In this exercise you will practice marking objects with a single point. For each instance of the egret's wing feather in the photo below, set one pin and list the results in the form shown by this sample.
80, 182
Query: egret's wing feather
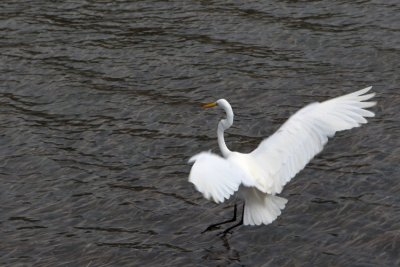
305, 133
215, 177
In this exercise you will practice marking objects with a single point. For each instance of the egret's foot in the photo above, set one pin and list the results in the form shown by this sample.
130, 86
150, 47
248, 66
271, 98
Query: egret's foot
214, 226
230, 228
210, 228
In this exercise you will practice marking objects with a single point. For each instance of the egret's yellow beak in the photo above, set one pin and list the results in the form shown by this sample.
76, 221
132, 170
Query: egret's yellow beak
210, 105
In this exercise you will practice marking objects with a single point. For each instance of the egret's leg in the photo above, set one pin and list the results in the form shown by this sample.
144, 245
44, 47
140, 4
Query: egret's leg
235, 225
224, 222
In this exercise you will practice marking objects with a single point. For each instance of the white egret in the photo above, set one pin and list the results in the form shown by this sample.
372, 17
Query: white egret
260, 175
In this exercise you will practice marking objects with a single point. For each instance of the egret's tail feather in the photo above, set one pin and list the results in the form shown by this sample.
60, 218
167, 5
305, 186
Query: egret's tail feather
261, 208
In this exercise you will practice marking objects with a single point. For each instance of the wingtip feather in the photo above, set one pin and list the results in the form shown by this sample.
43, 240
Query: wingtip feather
363, 91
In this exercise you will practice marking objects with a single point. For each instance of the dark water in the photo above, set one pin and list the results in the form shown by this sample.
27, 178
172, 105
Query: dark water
99, 113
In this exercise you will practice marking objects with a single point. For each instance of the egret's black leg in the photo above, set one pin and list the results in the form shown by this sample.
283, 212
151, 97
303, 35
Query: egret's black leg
224, 222
235, 225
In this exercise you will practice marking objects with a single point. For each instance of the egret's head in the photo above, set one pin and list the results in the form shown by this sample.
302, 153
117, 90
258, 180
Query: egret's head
222, 103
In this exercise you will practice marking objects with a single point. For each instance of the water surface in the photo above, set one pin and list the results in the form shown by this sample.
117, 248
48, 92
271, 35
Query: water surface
99, 113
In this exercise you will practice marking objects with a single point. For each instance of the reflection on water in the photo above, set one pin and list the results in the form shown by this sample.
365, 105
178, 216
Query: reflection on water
100, 112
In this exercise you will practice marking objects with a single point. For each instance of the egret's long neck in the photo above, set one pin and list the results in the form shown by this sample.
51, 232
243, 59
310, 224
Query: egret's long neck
222, 126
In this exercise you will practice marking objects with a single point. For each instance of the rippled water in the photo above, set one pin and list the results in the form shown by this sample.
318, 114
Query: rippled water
100, 112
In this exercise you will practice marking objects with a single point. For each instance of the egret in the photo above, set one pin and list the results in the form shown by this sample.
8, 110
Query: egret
260, 175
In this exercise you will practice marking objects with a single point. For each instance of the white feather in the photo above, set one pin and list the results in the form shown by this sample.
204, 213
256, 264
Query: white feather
261, 208
305, 133
217, 178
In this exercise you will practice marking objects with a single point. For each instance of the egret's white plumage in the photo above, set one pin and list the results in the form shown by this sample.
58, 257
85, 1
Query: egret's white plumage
261, 174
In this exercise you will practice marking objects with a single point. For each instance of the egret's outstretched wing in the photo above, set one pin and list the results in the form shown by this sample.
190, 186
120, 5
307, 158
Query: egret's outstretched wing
216, 177
304, 134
